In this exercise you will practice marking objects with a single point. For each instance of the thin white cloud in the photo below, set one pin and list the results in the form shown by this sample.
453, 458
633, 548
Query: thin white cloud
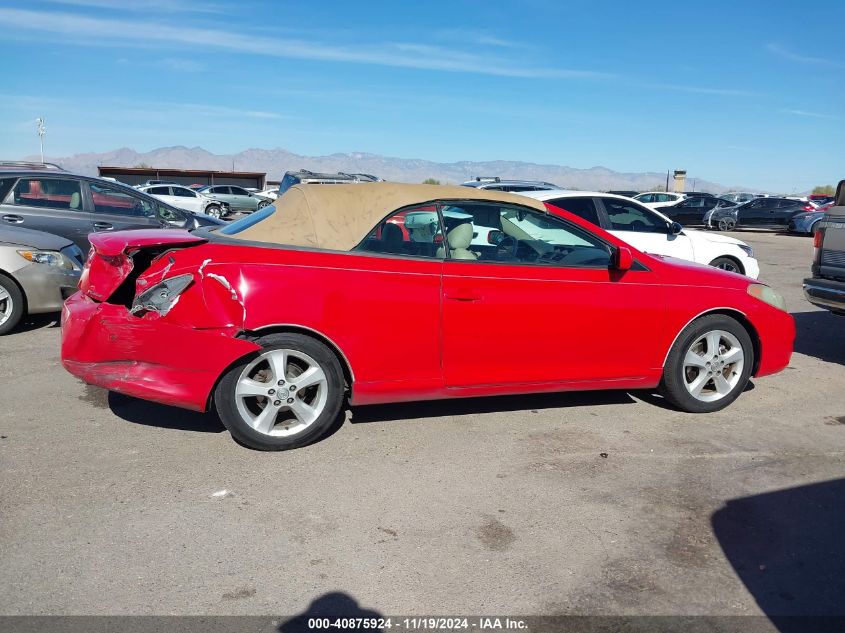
167, 6
183, 65
781, 51
79, 28
471, 36
706, 90
809, 114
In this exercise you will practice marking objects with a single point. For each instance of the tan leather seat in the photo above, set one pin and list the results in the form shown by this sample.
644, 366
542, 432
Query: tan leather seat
459, 240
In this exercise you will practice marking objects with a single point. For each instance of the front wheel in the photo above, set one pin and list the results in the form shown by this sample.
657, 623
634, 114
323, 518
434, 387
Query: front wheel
709, 365
215, 211
11, 305
262, 204
726, 224
727, 263
286, 396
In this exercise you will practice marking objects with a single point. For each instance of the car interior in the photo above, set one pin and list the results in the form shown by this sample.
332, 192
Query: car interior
486, 232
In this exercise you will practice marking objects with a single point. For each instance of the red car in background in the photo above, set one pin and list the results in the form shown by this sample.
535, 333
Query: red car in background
382, 293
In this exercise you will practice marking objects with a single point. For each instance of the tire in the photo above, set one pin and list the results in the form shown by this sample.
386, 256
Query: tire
11, 305
316, 407
681, 377
262, 204
215, 211
729, 264
726, 224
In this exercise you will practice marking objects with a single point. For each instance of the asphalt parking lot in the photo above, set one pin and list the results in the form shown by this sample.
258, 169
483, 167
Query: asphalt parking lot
592, 503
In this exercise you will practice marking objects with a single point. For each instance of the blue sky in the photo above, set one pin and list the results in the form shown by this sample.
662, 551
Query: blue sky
742, 93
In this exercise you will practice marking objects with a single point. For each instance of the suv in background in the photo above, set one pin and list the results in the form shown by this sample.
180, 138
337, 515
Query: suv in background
826, 288
73, 206
303, 176
498, 184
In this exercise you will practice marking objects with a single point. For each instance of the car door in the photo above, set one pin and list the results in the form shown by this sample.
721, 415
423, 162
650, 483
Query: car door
221, 193
112, 208
243, 199
47, 203
753, 213
785, 209
184, 198
543, 307
644, 229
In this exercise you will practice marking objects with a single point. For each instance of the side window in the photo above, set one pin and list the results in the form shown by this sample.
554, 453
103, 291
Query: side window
181, 192
646, 197
515, 235
694, 203
159, 191
6, 186
118, 202
237, 191
582, 207
624, 216
50, 193
168, 214
412, 232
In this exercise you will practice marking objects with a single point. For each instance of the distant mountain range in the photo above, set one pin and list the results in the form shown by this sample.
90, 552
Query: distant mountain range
276, 161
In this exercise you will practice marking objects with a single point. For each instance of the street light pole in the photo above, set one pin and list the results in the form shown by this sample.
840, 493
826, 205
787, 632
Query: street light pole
39, 127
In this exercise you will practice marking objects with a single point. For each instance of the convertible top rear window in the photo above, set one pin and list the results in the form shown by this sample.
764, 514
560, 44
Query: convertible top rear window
247, 221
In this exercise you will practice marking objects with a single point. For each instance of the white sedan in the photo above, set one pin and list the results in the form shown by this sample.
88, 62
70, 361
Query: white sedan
657, 199
188, 199
652, 232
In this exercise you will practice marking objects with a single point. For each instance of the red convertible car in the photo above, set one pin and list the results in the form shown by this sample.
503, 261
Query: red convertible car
383, 293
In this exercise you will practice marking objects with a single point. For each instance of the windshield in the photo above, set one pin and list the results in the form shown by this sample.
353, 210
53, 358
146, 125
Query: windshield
247, 221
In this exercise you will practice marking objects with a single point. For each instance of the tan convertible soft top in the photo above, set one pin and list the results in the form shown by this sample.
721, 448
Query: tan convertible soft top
338, 217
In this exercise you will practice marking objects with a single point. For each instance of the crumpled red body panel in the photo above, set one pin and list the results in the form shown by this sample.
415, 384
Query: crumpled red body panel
104, 345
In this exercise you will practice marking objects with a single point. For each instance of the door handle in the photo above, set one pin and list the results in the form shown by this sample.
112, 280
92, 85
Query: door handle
463, 295
102, 226
13, 219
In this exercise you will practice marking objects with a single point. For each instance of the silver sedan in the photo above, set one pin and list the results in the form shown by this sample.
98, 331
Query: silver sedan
38, 271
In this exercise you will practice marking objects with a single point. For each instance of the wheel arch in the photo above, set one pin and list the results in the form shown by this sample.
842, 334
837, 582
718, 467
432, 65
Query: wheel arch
739, 316
733, 258
345, 365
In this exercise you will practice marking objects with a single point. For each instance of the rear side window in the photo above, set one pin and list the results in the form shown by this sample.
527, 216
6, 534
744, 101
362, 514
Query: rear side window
624, 216
183, 193
582, 207
52, 193
118, 202
159, 191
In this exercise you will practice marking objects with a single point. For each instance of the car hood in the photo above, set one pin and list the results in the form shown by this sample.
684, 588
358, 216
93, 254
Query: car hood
699, 236
33, 239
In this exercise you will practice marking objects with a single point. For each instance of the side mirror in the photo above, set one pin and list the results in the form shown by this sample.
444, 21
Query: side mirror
623, 259
675, 228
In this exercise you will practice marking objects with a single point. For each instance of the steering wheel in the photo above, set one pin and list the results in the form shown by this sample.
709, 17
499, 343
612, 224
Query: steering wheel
506, 248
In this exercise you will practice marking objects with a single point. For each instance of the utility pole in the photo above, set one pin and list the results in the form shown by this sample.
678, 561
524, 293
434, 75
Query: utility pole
667, 181
39, 127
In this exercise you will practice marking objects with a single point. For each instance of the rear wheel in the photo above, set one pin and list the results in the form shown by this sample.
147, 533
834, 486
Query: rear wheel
727, 263
286, 396
11, 305
709, 365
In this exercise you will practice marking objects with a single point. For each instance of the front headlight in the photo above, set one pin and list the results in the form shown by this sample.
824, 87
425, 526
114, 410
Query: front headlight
747, 249
50, 258
767, 295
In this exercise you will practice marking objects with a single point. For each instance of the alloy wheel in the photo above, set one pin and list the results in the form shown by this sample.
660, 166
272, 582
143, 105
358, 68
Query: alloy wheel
282, 392
726, 224
713, 365
6, 305
727, 264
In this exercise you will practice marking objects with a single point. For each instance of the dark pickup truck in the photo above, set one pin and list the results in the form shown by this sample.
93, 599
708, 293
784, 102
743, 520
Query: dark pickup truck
826, 288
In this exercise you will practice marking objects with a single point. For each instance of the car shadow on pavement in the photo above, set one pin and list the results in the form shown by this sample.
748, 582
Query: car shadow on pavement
786, 547
154, 414
332, 605
820, 334
492, 404
38, 321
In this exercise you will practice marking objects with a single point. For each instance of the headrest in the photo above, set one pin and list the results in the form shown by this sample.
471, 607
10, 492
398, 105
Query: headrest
461, 236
